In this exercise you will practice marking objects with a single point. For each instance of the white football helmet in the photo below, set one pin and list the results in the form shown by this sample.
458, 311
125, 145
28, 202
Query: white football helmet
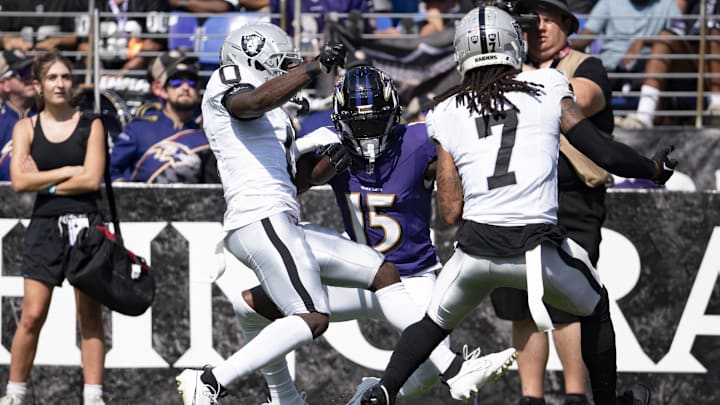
488, 36
262, 47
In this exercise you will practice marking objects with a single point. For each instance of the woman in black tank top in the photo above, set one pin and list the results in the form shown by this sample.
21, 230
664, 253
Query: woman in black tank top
60, 154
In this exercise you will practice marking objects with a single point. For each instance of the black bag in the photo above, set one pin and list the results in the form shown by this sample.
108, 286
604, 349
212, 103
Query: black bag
100, 266
105, 270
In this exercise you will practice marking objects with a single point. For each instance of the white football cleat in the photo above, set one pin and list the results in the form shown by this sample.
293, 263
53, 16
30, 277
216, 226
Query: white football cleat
194, 391
96, 400
477, 372
10, 399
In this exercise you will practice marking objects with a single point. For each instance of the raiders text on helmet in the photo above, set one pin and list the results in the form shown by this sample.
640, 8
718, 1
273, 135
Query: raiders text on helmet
263, 47
488, 36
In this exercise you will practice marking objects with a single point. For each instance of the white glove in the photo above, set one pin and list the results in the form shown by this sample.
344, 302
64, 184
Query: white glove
320, 137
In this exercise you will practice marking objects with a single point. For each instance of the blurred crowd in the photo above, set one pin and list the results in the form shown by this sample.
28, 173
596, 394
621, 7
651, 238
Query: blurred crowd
139, 43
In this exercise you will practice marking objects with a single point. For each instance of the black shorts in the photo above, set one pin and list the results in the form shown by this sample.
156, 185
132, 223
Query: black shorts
511, 304
45, 247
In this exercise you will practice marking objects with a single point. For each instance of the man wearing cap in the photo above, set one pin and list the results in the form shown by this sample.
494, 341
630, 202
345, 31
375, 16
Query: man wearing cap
581, 210
18, 95
157, 72
165, 145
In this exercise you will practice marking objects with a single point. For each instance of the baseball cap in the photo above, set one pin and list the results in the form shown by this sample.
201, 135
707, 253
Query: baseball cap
558, 6
13, 61
170, 64
181, 69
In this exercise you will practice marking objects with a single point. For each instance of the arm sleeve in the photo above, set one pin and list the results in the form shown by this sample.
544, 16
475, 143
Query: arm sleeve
615, 157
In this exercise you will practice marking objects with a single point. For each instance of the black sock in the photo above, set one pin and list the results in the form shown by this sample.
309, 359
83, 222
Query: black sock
598, 351
208, 378
414, 347
532, 401
576, 399
454, 368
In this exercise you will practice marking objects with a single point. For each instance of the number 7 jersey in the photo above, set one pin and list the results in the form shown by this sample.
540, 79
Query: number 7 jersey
508, 166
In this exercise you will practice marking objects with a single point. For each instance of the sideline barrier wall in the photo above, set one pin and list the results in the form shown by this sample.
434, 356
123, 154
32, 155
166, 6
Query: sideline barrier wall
660, 261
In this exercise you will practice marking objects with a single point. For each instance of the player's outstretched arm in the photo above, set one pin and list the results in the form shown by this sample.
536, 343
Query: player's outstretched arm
250, 102
615, 157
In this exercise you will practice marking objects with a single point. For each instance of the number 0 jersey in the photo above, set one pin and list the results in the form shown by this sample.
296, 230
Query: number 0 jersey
390, 208
508, 167
255, 157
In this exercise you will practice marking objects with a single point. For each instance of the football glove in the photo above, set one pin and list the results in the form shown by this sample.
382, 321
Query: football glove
339, 156
297, 106
316, 139
332, 55
664, 165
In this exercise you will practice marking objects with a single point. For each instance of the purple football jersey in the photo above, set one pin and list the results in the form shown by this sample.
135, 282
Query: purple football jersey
390, 208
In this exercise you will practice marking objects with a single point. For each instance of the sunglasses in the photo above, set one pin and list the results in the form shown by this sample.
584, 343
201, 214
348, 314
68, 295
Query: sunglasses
175, 83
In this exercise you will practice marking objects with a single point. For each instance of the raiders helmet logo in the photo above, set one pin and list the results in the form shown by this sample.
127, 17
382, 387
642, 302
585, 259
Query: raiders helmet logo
252, 44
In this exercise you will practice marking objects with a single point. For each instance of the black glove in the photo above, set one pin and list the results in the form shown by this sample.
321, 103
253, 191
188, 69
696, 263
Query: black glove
298, 105
339, 156
332, 55
664, 166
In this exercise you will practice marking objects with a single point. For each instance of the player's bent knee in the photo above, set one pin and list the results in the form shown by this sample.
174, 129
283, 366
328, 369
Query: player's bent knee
261, 303
317, 322
386, 275
247, 296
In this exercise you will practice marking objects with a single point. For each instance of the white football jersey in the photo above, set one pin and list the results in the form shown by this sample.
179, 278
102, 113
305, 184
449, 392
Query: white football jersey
509, 167
255, 158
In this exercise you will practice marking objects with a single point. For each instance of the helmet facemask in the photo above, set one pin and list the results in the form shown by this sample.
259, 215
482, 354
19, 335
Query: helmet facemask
366, 111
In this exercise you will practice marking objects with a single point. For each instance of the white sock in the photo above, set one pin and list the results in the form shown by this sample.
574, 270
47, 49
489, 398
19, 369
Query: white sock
647, 105
398, 307
280, 383
17, 389
442, 356
402, 311
92, 391
277, 339
421, 380
714, 98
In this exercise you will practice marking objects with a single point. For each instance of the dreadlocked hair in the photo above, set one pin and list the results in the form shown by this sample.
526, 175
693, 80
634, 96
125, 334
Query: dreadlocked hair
483, 90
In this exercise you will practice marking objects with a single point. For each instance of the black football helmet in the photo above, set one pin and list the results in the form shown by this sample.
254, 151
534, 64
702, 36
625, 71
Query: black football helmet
366, 110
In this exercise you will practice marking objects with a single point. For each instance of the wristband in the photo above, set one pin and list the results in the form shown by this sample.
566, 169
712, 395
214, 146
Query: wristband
52, 189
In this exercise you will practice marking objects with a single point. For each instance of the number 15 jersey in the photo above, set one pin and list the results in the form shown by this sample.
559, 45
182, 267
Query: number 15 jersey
508, 166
